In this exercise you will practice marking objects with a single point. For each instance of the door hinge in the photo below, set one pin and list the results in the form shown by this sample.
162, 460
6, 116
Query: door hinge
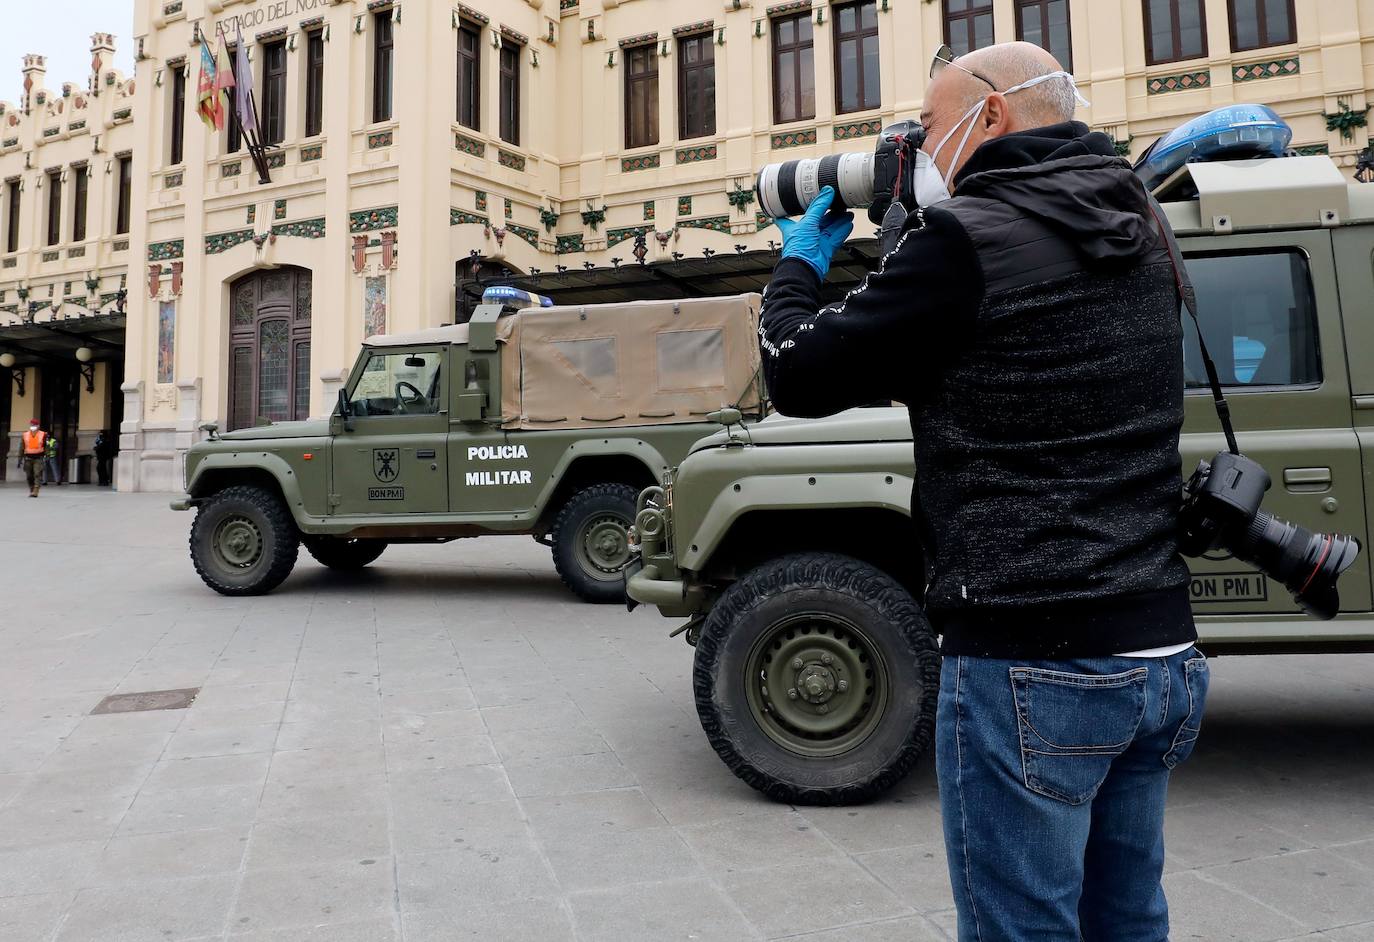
335, 500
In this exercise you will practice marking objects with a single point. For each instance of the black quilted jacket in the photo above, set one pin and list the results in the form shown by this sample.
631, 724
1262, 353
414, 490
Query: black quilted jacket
1032, 327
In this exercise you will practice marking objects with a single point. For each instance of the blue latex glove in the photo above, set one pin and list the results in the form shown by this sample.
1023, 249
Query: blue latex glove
817, 234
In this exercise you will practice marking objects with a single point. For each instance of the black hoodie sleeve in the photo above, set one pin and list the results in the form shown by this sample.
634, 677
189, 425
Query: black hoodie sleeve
885, 338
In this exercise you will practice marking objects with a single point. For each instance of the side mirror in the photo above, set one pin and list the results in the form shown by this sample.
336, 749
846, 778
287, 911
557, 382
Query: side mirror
728, 416
346, 410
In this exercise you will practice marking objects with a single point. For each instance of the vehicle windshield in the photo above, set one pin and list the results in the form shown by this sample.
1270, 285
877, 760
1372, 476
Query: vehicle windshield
398, 383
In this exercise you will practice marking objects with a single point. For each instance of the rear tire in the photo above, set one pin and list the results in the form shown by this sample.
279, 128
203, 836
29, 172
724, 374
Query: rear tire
243, 541
590, 542
816, 679
341, 553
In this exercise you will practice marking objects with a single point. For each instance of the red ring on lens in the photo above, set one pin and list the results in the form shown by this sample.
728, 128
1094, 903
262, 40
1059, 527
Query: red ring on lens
1326, 551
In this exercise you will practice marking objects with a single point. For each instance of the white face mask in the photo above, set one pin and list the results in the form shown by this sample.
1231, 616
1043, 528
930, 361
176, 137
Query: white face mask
930, 187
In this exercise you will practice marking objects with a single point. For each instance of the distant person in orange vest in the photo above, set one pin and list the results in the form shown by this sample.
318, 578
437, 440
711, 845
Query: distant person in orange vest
33, 449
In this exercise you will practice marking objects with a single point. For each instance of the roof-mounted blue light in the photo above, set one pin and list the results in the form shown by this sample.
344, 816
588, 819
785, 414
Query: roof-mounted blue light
1236, 132
514, 297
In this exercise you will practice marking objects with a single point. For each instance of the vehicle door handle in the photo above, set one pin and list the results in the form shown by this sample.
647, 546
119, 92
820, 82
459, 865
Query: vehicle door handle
424, 453
1300, 480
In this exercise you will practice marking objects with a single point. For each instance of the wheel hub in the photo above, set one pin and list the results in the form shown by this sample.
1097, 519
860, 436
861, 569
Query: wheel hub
238, 541
606, 546
817, 684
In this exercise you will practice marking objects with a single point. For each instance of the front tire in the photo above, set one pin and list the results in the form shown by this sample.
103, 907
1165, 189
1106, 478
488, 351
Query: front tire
243, 541
343, 554
591, 543
816, 679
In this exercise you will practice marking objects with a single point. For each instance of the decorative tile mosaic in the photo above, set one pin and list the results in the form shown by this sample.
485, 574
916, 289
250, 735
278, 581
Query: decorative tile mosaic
793, 138
458, 217
77, 125
51, 256
789, 7
302, 229
1162, 84
528, 233
684, 206
119, 245
380, 139
621, 233
648, 209
1252, 71
762, 221
475, 15
369, 219
507, 159
276, 161
565, 5
701, 27
311, 153
568, 243
78, 252
224, 241
279, 209
231, 170
162, 251
641, 162
10, 142
252, 214
10, 263
51, 132
691, 155
514, 35
845, 132
714, 223
172, 180
469, 146
480, 200
1312, 150
640, 40
172, 9
510, 209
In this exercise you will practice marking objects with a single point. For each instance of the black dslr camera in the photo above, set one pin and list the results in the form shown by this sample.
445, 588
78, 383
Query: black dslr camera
1222, 509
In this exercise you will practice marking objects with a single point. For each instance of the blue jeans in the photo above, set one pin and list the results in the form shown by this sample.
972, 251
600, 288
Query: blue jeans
1053, 776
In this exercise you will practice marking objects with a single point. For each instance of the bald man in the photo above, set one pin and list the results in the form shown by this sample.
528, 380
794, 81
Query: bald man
1030, 322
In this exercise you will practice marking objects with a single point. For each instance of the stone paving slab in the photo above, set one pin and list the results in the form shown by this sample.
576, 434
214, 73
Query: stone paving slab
450, 746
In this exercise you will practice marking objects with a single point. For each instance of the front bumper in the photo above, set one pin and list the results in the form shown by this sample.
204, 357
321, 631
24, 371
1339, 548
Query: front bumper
656, 583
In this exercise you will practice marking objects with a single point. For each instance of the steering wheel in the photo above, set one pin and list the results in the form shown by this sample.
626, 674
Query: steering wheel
404, 404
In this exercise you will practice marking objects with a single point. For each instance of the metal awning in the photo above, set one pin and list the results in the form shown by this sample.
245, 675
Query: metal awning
688, 277
48, 340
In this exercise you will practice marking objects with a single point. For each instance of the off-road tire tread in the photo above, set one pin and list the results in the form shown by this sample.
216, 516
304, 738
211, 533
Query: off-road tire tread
843, 574
564, 558
285, 543
337, 554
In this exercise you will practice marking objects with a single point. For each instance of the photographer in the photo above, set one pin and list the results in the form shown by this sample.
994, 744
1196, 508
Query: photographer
1031, 324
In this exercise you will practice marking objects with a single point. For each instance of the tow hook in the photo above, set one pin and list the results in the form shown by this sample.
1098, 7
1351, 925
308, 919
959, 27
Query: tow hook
692, 629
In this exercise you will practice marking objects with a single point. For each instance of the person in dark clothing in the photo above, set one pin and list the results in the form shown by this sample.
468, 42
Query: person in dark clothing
105, 449
1031, 325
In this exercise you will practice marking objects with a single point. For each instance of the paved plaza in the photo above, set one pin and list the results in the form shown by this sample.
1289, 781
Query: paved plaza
450, 746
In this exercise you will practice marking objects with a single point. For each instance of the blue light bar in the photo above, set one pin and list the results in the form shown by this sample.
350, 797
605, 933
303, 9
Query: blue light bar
1236, 132
514, 297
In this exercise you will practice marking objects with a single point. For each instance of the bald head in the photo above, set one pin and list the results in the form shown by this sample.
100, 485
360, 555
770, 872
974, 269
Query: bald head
985, 73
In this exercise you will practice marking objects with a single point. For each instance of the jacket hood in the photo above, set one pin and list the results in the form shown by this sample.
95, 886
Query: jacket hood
1070, 178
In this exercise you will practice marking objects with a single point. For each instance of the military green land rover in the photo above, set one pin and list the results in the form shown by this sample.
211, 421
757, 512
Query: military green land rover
542, 420
786, 546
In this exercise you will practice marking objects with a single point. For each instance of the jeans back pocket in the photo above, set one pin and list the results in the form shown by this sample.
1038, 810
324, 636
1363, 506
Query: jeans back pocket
1196, 678
1072, 726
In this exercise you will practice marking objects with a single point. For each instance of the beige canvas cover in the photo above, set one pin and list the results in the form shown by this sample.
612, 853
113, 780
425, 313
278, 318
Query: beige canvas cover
636, 363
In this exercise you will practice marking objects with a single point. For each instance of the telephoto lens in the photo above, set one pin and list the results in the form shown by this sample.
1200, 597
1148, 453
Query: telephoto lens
1307, 563
786, 189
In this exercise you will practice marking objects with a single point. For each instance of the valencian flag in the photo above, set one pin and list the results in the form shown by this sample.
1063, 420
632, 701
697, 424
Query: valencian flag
224, 76
209, 107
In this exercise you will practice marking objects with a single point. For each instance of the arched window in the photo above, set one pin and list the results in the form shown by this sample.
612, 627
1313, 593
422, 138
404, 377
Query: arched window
269, 347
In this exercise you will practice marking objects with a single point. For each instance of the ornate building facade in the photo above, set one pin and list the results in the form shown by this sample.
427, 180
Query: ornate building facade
66, 172
595, 149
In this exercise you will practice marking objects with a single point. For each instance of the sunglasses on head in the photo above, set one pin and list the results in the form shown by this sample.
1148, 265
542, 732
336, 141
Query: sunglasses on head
945, 57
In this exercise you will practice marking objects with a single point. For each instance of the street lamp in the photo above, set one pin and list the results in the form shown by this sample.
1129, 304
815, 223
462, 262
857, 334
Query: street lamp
83, 356
7, 362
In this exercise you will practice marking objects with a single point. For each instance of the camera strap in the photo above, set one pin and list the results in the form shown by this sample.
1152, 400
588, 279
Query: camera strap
1189, 297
